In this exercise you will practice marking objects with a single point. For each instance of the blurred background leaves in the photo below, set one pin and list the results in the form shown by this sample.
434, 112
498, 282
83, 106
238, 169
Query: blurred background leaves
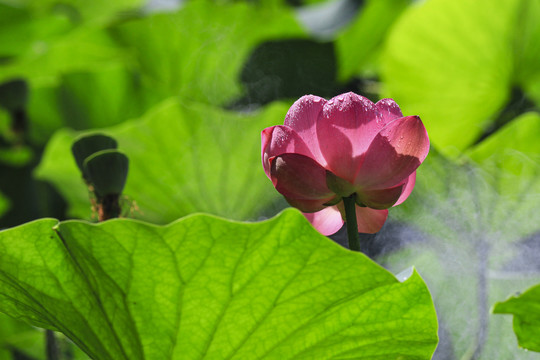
187, 86
457, 63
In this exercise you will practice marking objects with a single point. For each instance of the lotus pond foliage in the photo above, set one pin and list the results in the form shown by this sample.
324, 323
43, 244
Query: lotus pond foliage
136, 220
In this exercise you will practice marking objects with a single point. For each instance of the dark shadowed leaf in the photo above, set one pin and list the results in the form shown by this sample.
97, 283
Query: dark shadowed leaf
289, 69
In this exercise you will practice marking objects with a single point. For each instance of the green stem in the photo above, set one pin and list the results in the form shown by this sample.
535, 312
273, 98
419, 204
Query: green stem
52, 346
350, 220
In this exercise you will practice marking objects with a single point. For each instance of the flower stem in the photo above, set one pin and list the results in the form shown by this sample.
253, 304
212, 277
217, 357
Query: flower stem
350, 220
109, 207
52, 346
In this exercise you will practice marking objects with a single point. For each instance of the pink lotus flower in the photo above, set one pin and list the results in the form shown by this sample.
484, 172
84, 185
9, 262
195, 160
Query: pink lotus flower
328, 150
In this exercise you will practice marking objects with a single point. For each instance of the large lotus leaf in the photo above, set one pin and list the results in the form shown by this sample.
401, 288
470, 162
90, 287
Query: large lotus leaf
62, 67
96, 11
197, 52
20, 29
451, 271
527, 48
526, 310
494, 192
358, 47
510, 160
113, 97
453, 63
183, 159
44, 113
15, 30
62, 72
104, 96
203, 287
81, 49
473, 218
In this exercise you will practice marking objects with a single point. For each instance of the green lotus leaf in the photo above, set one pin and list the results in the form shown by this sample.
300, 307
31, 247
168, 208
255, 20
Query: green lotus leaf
451, 271
62, 70
455, 63
467, 222
359, 45
97, 11
510, 161
494, 191
204, 287
115, 97
527, 48
81, 49
21, 28
198, 51
183, 159
526, 310
15, 30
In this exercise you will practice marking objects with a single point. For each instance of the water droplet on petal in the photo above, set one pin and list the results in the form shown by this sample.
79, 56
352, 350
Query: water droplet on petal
317, 100
330, 102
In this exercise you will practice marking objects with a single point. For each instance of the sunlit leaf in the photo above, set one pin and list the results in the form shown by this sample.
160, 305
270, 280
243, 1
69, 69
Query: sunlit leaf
358, 47
527, 48
452, 62
526, 310
209, 288
183, 159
